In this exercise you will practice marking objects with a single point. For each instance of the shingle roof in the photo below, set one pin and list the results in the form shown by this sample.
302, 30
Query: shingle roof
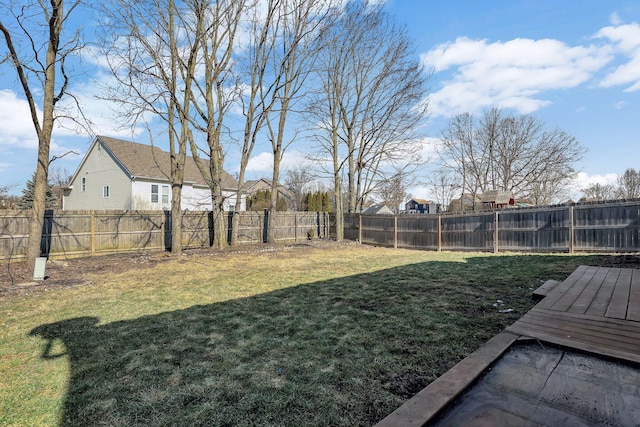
422, 201
496, 196
151, 162
378, 209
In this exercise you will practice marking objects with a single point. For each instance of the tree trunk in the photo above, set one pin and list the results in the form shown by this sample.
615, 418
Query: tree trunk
219, 225
273, 203
339, 209
36, 219
176, 218
44, 136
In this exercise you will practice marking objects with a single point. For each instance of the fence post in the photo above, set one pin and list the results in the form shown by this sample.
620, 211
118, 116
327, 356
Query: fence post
496, 244
93, 232
395, 232
571, 230
360, 228
295, 227
439, 243
327, 225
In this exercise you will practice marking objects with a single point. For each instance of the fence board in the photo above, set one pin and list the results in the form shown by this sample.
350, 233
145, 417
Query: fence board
83, 233
613, 226
592, 227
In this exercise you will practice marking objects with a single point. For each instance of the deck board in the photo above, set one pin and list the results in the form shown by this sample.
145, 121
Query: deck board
588, 294
633, 309
596, 309
620, 298
603, 297
563, 287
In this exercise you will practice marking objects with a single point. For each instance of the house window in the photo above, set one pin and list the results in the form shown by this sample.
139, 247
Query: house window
154, 193
105, 191
165, 194
84, 183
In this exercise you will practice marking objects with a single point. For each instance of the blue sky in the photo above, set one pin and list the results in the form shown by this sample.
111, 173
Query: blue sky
573, 64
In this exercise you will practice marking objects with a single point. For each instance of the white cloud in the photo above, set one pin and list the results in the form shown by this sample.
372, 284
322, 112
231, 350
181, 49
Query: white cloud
584, 180
620, 105
16, 127
512, 74
615, 19
262, 163
626, 41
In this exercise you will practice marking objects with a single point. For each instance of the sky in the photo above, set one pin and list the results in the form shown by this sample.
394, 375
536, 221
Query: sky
573, 64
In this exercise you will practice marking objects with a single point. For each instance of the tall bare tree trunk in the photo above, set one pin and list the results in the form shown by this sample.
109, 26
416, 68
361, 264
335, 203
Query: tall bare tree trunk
54, 59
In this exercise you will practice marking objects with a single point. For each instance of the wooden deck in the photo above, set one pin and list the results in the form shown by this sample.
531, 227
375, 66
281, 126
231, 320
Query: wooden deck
596, 309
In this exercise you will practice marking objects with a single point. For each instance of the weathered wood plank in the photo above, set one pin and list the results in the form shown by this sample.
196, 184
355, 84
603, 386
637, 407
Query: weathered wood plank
569, 297
586, 297
598, 335
633, 310
544, 290
601, 301
620, 298
563, 287
595, 309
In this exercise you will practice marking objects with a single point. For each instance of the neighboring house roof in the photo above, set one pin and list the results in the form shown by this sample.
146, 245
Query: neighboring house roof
145, 161
380, 209
253, 186
421, 201
498, 197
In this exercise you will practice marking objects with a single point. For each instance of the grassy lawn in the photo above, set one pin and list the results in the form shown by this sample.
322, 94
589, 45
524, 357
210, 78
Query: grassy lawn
289, 338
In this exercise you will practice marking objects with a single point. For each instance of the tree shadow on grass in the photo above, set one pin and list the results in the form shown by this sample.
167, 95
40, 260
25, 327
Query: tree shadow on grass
346, 351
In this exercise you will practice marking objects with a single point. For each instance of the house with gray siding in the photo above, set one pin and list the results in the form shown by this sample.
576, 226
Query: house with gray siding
119, 174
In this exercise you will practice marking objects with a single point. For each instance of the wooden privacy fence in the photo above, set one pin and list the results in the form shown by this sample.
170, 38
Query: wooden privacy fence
83, 233
594, 227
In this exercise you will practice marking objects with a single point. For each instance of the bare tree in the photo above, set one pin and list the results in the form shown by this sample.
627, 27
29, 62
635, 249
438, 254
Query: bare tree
444, 186
152, 50
599, 192
216, 92
371, 103
295, 29
39, 52
510, 153
253, 67
59, 177
7, 201
297, 181
393, 191
629, 184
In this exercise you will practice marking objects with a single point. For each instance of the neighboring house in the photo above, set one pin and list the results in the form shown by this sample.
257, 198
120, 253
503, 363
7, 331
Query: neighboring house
117, 174
251, 187
380, 209
421, 206
496, 199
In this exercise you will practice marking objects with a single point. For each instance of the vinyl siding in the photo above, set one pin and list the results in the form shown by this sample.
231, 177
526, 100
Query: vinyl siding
100, 170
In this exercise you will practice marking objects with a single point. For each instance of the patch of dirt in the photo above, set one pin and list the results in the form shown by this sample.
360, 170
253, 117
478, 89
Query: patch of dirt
408, 384
621, 261
16, 279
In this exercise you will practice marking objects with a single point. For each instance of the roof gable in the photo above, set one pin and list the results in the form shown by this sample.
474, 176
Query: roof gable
145, 161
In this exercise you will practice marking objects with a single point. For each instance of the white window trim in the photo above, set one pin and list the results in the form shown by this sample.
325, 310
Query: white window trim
154, 193
165, 195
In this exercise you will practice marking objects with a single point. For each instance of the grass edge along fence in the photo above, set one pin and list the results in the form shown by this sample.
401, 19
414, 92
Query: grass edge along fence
585, 227
69, 234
